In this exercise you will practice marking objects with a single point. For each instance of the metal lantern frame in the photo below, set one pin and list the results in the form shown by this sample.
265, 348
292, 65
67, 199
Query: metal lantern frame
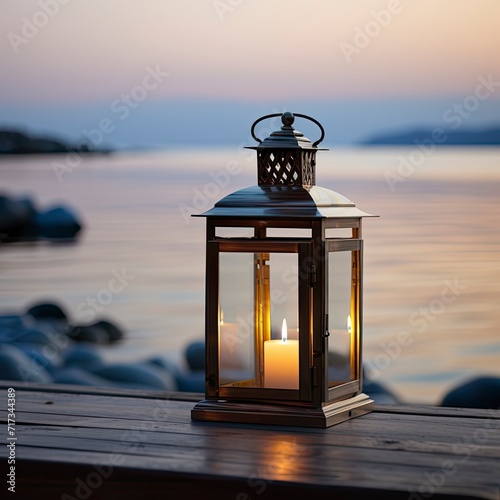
286, 198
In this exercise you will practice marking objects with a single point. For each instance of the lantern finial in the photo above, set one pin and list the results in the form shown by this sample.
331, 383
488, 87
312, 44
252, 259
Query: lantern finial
287, 119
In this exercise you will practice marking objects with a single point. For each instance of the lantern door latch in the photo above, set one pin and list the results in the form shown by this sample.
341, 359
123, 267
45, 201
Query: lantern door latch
326, 332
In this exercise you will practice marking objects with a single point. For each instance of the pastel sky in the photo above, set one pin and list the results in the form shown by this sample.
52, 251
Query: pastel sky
250, 50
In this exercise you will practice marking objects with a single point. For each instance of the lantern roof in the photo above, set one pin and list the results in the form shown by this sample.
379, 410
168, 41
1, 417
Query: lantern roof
286, 172
285, 202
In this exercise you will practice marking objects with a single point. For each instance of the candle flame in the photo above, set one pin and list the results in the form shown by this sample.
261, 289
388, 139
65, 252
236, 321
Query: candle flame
284, 331
349, 325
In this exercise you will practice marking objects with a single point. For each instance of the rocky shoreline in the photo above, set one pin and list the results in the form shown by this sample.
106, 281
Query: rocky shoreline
16, 142
43, 345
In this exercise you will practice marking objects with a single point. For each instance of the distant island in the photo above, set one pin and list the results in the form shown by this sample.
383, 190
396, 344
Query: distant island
439, 137
15, 142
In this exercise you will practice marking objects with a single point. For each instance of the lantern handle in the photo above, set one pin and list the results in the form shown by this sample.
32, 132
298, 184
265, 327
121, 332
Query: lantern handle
287, 119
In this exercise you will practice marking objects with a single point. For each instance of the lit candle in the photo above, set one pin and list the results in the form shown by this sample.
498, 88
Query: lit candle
281, 362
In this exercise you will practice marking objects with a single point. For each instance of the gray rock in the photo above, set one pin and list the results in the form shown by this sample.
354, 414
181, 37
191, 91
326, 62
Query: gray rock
11, 321
83, 355
88, 333
58, 223
47, 311
14, 213
480, 392
191, 382
101, 332
195, 356
16, 365
46, 356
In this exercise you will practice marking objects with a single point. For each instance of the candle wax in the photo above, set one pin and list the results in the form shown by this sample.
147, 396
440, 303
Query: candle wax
281, 364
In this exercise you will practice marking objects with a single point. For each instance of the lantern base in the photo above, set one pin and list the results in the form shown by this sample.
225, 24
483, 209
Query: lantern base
273, 414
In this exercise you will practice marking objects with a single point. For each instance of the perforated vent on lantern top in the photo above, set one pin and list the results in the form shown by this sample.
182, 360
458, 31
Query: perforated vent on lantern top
286, 157
288, 168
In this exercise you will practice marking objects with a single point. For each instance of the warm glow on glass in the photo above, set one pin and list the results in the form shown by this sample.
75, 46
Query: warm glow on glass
349, 325
230, 357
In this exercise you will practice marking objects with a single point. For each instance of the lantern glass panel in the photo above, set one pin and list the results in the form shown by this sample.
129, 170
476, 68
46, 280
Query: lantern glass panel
342, 317
257, 292
236, 344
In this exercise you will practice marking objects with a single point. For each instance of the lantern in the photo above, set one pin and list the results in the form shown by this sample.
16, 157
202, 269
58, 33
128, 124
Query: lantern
284, 294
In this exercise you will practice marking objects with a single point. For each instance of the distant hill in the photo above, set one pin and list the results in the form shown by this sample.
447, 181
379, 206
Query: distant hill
483, 137
14, 142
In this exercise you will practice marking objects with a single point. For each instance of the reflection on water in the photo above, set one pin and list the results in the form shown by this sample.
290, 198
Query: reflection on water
432, 259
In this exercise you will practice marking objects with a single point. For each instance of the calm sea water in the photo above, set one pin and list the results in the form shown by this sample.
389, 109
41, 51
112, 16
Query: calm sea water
432, 259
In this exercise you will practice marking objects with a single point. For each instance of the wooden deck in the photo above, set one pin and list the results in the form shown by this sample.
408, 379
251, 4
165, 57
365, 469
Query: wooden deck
93, 444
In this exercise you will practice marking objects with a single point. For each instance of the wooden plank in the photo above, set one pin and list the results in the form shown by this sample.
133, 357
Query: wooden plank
221, 439
438, 411
69, 482
86, 402
307, 463
100, 391
340, 461
387, 451
83, 405
195, 397
391, 480
481, 443
237, 440
373, 425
